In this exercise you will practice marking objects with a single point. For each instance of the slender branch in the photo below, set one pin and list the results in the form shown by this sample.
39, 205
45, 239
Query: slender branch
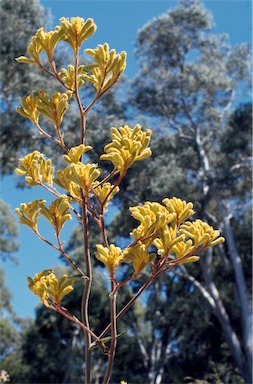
70, 261
55, 74
130, 303
60, 249
66, 313
79, 103
85, 223
113, 312
86, 293
103, 229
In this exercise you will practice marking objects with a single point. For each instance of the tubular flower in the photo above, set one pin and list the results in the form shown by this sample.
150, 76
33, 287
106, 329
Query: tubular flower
202, 234
139, 256
108, 67
42, 41
74, 154
182, 209
68, 75
183, 250
30, 213
152, 216
58, 213
128, 145
160, 226
64, 180
167, 237
36, 169
46, 285
29, 108
84, 175
77, 176
111, 257
55, 107
104, 191
77, 30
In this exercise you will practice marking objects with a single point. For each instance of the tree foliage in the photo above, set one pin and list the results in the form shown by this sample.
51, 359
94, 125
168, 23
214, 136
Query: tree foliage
189, 82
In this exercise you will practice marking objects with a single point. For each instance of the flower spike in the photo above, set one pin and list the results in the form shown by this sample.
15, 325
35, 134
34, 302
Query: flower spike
77, 30
36, 169
202, 234
128, 145
111, 257
74, 154
58, 213
108, 67
30, 213
49, 289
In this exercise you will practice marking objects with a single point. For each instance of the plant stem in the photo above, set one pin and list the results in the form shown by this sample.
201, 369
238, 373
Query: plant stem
86, 293
113, 312
85, 224
130, 303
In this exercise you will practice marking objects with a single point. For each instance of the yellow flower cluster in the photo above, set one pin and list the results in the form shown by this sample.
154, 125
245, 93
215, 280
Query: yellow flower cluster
104, 192
164, 227
74, 32
58, 213
68, 76
39, 103
128, 145
30, 213
75, 154
77, 30
111, 257
108, 67
103, 73
76, 177
49, 289
36, 169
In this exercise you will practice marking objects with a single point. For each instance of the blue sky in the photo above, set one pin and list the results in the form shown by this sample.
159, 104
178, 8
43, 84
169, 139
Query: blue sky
118, 22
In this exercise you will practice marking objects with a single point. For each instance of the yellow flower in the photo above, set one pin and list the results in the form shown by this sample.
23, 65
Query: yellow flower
30, 213
36, 169
111, 257
202, 234
107, 69
139, 256
77, 176
42, 41
152, 216
58, 213
46, 285
29, 108
68, 75
128, 145
166, 238
103, 191
182, 209
74, 154
77, 30
55, 107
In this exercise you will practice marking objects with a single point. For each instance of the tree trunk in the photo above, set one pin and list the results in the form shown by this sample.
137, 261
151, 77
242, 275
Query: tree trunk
221, 313
246, 309
244, 304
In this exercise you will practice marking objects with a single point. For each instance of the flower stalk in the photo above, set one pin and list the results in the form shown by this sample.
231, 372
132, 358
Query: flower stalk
163, 226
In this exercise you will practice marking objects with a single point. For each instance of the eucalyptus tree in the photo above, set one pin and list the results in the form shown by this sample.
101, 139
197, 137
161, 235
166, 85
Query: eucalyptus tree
188, 83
